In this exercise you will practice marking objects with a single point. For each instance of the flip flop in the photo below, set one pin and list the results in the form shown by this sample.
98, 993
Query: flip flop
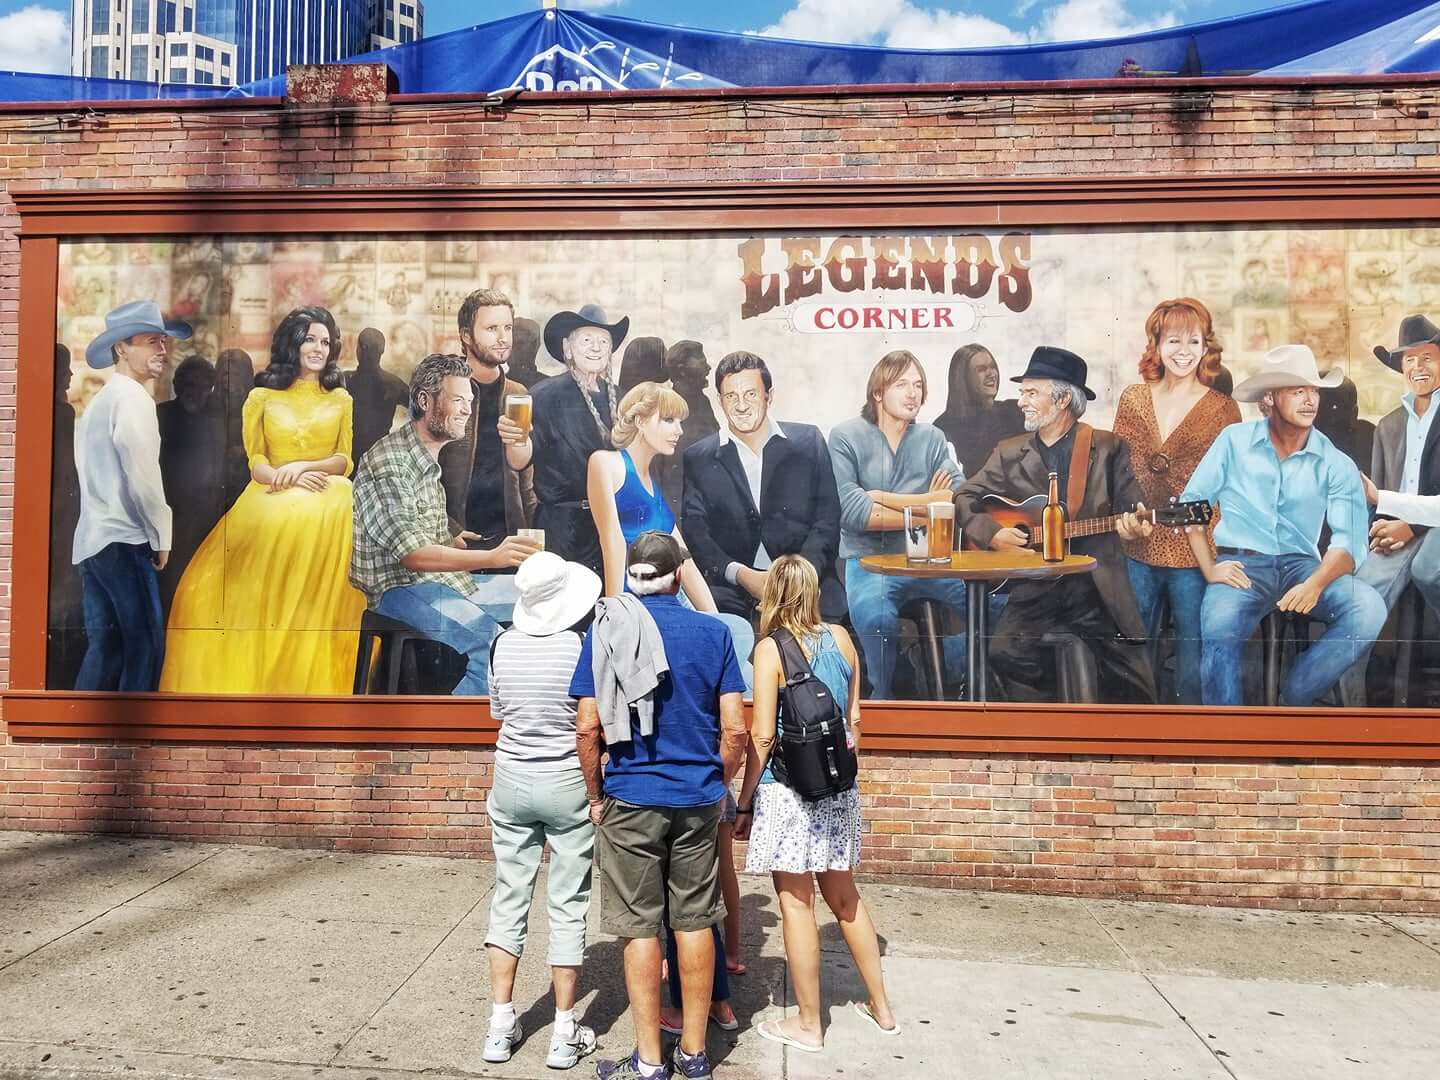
737, 968
770, 1029
733, 1024
863, 1008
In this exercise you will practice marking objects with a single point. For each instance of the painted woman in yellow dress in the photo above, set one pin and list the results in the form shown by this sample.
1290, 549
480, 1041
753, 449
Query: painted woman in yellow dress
265, 606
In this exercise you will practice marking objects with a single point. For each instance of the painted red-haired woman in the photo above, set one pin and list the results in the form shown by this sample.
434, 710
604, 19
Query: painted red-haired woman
1169, 421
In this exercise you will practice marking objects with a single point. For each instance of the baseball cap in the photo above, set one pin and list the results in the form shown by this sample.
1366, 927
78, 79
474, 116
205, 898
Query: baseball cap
653, 555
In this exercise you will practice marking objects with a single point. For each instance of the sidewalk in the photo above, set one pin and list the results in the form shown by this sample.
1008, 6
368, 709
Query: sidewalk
148, 959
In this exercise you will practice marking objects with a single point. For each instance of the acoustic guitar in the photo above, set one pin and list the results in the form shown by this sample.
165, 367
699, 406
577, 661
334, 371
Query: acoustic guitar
1026, 515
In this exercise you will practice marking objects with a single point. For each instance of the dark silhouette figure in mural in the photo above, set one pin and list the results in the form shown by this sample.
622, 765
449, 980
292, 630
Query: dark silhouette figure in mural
1099, 608
265, 607
689, 372
644, 361
1339, 418
573, 415
376, 392
192, 463
489, 482
973, 420
65, 611
885, 461
524, 348
1278, 482
234, 379
1168, 422
407, 558
123, 536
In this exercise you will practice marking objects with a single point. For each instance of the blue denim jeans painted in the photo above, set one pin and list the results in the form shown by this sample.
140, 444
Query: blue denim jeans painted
124, 629
464, 623
1352, 609
875, 601
1184, 588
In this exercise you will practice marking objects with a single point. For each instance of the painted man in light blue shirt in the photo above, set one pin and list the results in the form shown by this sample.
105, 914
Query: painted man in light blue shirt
1277, 481
885, 461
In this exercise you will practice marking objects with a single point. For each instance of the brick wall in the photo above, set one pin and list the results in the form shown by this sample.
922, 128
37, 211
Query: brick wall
1272, 834
1322, 837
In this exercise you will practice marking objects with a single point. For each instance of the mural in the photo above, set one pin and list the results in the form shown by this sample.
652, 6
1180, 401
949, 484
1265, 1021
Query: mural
308, 466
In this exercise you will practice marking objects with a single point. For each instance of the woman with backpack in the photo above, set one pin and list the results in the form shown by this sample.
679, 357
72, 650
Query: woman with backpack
806, 828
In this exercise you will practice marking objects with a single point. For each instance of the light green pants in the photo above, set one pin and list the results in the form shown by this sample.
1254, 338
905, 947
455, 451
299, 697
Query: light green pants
526, 811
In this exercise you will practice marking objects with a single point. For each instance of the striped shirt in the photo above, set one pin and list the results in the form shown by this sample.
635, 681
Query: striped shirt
530, 697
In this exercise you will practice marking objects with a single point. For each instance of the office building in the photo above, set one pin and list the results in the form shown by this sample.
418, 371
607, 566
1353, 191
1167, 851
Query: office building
230, 42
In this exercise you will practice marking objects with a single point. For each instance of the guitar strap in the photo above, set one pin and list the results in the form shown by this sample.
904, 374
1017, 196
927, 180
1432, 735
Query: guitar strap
1079, 468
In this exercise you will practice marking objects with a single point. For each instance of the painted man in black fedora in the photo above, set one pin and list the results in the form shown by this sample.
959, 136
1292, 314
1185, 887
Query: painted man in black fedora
1098, 608
1404, 460
573, 414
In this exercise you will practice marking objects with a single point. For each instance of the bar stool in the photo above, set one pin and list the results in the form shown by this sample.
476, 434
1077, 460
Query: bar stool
1281, 632
927, 617
396, 657
1077, 676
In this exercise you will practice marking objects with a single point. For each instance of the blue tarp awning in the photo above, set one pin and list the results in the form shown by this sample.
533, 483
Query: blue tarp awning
576, 50
558, 50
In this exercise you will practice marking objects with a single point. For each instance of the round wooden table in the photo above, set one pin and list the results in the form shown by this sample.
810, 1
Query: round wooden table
978, 569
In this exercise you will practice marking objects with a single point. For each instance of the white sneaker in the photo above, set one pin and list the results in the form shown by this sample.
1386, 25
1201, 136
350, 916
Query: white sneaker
564, 1053
499, 1045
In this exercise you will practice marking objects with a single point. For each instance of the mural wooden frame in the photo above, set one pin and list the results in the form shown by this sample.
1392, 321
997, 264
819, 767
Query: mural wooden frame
47, 216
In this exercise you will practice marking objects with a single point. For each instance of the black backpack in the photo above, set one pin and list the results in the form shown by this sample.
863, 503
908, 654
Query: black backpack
812, 756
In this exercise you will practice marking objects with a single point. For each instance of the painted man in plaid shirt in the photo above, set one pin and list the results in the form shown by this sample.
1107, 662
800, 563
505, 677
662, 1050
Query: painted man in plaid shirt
405, 559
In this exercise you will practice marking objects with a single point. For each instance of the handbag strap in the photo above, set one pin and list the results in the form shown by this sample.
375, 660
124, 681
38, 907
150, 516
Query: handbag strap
1079, 468
793, 661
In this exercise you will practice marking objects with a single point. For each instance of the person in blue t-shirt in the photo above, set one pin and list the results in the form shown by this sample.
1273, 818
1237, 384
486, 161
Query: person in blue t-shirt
659, 689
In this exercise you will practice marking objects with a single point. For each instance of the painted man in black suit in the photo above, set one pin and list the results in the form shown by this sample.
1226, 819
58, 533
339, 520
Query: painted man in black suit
756, 490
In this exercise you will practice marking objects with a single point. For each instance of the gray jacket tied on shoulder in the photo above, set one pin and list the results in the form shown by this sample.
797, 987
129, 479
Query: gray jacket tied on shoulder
628, 659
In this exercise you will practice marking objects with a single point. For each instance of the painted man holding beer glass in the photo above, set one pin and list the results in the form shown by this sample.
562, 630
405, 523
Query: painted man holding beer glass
489, 488
889, 467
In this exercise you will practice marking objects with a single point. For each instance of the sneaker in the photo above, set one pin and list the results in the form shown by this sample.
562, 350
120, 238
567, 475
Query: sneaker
696, 1068
624, 1069
564, 1053
499, 1045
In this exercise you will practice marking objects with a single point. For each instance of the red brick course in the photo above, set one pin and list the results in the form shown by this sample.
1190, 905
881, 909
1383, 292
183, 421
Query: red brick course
1283, 835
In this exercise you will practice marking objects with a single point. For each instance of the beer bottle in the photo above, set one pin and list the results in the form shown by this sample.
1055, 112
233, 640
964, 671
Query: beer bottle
1052, 524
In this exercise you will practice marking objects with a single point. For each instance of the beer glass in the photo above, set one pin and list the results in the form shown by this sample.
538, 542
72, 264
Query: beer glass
917, 533
942, 531
538, 535
517, 411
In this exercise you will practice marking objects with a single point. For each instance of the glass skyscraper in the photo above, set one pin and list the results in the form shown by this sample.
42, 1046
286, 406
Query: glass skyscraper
228, 42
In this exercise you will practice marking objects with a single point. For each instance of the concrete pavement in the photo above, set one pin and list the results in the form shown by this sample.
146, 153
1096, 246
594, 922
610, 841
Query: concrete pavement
149, 959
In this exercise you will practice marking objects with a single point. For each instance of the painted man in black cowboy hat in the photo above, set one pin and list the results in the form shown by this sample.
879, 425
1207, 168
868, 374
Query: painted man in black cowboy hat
1098, 608
573, 414
1404, 461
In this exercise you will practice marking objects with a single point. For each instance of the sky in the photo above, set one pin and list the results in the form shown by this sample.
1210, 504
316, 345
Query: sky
35, 34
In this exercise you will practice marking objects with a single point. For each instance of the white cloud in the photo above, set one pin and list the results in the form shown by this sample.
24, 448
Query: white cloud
1081, 20
900, 24
35, 38
914, 24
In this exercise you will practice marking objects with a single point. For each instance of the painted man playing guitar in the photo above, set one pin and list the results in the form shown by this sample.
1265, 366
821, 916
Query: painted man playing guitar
1100, 608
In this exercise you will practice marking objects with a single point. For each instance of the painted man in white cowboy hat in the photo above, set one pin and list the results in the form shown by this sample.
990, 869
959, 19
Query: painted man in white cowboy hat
573, 414
123, 537
1278, 481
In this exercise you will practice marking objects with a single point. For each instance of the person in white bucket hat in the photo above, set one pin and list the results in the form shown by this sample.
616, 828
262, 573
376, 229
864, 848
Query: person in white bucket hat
1278, 481
538, 796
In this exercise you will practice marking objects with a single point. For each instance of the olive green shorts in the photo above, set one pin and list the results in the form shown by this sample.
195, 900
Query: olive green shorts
648, 855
